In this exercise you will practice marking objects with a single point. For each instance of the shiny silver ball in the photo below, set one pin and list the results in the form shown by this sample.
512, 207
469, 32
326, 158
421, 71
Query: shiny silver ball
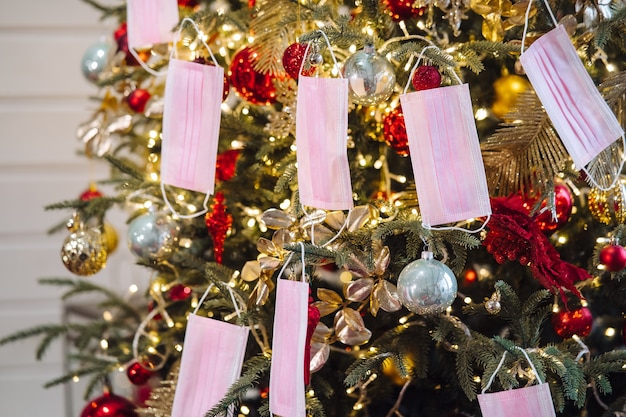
370, 76
427, 286
94, 60
315, 59
152, 236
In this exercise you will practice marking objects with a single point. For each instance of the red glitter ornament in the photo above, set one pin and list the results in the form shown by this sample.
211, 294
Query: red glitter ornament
613, 257
292, 61
91, 193
402, 9
569, 323
394, 131
563, 204
179, 292
251, 85
137, 100
109, 405
426, 77
226, 164
137, 374
120, 36
312, 321
218, 222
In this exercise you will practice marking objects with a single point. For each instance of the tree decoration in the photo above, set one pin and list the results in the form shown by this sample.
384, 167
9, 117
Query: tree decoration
403, 9
109, 405
137, 100
90, 193
426, 77
218, 223
371, 77
507, 90
137, 374
293, 57
190, 4
226, 164
394, 131
608, 207
613, 257
83, 252
152, 236
313, 318
568, 323
94, 60
427, 286
250, 84
563, 204
513, 235
179, 292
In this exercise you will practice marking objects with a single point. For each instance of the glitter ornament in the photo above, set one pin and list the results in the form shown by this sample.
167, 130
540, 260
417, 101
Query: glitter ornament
137, 374
251, 85
226, 164
575, 322
218, 223
402, 9
427, 286
179, 292
83, 252
292, 61
137, 100
94, 60
563, 204
152, 235
371, 77
394, 131
608, 207
426, 77
613, 257
109, 405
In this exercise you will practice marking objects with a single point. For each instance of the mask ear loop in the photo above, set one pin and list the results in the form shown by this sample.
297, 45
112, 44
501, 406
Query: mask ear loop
493, 375
590, 178
232, 297
174, 54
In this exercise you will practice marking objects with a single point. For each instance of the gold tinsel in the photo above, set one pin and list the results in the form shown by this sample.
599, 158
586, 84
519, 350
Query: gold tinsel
162, 397
525, 152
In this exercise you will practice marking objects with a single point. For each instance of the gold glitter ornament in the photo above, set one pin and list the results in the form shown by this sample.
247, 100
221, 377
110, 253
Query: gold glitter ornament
110, 237
84, 251
608, 207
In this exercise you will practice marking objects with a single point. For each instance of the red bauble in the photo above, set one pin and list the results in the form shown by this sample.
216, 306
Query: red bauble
121, 39
251, 85
292, 61
137, 100
179, 292
226, 164
613, 257
109, 405
90, 193
403, 9
218, 222
137, 374
188, 3
394, 131
426, 77
563, 203
575, 322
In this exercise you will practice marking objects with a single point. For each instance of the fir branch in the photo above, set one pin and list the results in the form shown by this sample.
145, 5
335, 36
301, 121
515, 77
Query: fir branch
107, 11
607, 27
314, 407
271, 34
286, 179
125, 168
254, 368
96, 369
360, 369
52, 331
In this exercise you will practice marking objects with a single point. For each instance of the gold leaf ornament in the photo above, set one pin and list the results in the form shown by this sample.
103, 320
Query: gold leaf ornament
350, 329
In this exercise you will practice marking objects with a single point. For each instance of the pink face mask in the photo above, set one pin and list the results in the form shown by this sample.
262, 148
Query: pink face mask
212, 358
288, 346
191, 123
150, 21
579, 114
445, 155
535, 401
321, 139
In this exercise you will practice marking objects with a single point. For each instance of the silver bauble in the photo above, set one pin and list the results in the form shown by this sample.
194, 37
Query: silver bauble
84, 252
152, 236
94, 60
371, 78
427, 286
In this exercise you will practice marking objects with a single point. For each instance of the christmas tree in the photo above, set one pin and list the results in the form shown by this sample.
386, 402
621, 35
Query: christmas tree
366, 208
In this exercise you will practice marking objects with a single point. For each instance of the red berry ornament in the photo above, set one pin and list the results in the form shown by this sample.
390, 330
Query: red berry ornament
426, 77
90, 193
179, 292
569, 323
292, 61
226, 164
402, 9
394, 131
137, 374
252, 86
109, 405
613, 257
137, 100
563, 204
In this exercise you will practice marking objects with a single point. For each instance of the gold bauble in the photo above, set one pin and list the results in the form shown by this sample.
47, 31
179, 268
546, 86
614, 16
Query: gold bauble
507, 88
608, 207
84, 252
390, 370
109, 235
